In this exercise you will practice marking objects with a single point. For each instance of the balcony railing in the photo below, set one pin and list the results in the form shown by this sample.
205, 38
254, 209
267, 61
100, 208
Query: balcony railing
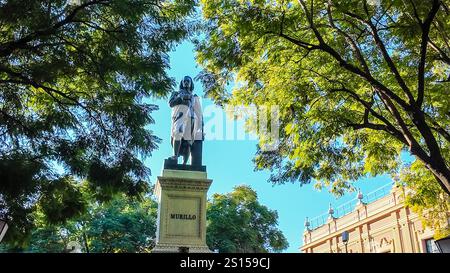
349, 206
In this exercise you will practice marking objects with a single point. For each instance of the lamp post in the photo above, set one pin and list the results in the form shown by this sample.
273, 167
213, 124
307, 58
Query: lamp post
307, 224
345, 240
443, 244
3, 228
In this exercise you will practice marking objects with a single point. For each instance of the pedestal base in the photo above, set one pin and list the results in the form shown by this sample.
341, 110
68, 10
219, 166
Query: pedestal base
166, 248
181, 223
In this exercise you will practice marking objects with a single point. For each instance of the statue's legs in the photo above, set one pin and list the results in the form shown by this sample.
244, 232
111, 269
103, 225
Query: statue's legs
176, 149
185, 151
196, 153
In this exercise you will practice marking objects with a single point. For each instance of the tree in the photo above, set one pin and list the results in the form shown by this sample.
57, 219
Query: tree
356, 82
73, 79
237, 222
50, 239
427, 199
44, 239
120, 225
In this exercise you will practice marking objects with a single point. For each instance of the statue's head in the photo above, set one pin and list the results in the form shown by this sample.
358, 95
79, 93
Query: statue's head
187, 83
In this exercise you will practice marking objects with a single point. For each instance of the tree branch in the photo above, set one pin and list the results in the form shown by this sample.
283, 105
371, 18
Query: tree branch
414, 146
425, 26
385, 54
343, 63
295, 41
389, 127
349, 39
8, 47
368, 125
443, 56
49, 90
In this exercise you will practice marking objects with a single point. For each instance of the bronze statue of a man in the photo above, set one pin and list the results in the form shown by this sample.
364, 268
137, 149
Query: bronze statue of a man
187, 123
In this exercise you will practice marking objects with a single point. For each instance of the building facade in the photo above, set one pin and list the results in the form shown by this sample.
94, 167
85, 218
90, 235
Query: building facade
380, 225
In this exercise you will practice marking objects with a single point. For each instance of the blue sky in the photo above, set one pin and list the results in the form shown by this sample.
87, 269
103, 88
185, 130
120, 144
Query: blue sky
229, 163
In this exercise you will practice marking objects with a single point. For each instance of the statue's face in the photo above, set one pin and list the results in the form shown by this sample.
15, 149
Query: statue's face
187, 83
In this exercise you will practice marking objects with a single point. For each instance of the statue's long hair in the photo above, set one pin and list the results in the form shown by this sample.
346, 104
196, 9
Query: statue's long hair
192, 83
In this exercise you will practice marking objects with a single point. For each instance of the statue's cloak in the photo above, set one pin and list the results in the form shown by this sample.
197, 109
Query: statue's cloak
187, 120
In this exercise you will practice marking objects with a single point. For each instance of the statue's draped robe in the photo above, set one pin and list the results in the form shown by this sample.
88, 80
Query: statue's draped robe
187, 118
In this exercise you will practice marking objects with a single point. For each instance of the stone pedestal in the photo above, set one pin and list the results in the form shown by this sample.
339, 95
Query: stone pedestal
181, 223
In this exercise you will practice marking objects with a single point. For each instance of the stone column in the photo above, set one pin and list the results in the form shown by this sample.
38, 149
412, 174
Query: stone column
359, 229
182, 200
396, 233
406, 232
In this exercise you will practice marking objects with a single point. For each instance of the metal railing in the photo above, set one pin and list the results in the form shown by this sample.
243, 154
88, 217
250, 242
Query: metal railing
378, 193
349, 206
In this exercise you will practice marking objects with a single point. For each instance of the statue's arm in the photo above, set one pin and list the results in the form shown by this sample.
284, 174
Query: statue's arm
175, 99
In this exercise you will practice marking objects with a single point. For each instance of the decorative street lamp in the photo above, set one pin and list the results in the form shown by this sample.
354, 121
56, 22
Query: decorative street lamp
443, 244
330, 212
3, 228
345, 240
360, 197
307, 224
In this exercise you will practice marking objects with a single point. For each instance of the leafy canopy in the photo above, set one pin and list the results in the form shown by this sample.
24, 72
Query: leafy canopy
238, 223
427, 199
73, 83
122, 225
356, 83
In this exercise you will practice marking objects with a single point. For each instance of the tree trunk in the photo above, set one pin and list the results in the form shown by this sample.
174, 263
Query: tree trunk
442, 175
438, 169
435, 162
86, 246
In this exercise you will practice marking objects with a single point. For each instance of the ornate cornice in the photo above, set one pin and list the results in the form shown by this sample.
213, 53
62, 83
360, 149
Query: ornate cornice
188, 184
